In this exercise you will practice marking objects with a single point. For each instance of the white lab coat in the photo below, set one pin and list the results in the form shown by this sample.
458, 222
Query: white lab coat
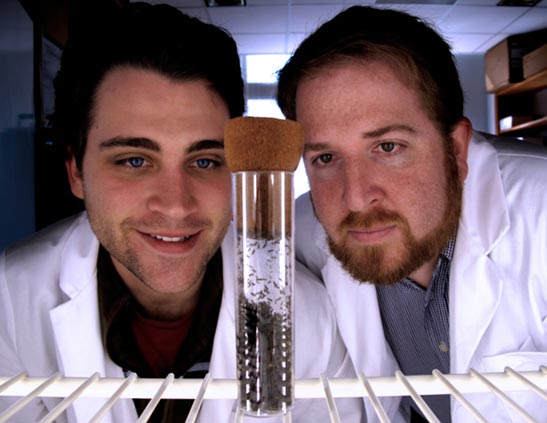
498, 279
49, 322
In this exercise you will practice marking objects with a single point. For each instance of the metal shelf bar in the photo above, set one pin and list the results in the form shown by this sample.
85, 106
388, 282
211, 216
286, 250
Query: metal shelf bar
380, 411
503, 396
458, 395
112, 399
19, 405
424, 408
196, 405
143, 418
63, 405
331, 404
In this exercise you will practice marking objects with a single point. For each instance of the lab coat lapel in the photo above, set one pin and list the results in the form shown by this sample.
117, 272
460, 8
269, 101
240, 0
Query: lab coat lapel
223, 357
357, 313
474, 292
475, 283
359, 321
77, 334
79, 348
224, 354
75, 323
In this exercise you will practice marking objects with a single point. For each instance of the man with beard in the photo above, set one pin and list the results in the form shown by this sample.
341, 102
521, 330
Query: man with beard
432, 239
144, 281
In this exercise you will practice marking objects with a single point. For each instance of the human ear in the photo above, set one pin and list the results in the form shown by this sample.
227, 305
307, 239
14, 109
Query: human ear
75, 177
461, 136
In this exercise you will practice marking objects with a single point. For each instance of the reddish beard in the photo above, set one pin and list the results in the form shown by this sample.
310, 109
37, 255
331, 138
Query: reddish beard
371, 263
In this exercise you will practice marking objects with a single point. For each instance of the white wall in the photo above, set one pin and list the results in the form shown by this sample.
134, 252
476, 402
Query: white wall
471, 69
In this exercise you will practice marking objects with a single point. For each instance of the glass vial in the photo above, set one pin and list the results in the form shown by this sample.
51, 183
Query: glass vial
264, 212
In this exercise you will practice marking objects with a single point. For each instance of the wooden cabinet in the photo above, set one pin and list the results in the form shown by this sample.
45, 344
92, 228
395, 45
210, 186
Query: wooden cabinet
526, 103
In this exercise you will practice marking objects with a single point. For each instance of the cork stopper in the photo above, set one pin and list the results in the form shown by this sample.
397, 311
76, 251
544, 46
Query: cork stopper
262, 144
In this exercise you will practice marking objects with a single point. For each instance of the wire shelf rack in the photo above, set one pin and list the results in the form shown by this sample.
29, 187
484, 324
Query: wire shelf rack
501, 384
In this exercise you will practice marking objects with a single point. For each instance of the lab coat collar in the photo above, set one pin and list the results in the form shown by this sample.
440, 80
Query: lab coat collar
75, 323
474, 293
485, 216
79, 258
475, 282
223, 355
360, 324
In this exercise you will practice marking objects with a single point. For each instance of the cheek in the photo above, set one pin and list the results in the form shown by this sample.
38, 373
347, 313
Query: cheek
114, 193
327, 205
423, 199
218, 194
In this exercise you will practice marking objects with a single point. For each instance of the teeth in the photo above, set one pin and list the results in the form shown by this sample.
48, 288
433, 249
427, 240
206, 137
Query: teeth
169, 239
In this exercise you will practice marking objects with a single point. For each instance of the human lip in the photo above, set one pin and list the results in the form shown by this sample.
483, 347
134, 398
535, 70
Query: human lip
171, 243
371, 235
170, 238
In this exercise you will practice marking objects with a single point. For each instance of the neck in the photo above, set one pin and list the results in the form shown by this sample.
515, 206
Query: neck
167, 306
423, 274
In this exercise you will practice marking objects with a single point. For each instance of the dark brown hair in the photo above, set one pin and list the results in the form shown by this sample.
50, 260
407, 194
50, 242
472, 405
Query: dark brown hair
156, 37
411, 47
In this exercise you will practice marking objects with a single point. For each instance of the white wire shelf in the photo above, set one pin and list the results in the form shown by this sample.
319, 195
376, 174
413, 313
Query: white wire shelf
70, 388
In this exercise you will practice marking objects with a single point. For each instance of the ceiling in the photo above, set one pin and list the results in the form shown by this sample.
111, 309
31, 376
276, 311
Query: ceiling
278, 26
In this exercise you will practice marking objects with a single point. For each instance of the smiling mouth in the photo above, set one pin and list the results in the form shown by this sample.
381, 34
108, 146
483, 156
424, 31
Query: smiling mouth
170, 239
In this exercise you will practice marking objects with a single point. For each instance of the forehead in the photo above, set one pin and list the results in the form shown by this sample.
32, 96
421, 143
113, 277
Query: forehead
132, 102
341, 103
354, 88
122, 86
354, 71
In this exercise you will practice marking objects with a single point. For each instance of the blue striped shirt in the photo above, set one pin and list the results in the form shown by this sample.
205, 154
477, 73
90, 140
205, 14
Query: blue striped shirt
415, 321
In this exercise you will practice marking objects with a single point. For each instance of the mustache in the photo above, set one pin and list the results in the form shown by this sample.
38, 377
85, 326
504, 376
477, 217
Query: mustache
369, 219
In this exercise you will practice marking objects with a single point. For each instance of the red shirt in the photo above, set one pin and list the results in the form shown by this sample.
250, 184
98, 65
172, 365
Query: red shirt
138, 344
160, 341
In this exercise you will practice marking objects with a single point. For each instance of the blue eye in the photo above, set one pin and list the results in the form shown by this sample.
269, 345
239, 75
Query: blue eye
204, 163
135, 161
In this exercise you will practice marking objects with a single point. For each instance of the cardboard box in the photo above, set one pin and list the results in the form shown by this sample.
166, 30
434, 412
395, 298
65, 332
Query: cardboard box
503, 62
534, 61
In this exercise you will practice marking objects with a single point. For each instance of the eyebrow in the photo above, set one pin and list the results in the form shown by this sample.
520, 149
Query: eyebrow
148, 144
145, 143
315, 147
386, 129
370, 134
206, 145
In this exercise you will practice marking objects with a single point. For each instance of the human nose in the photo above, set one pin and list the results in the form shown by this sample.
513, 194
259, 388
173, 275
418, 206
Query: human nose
173, 194
361, 190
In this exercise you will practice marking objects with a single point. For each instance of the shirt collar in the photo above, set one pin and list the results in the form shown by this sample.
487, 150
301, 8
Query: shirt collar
448, 251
